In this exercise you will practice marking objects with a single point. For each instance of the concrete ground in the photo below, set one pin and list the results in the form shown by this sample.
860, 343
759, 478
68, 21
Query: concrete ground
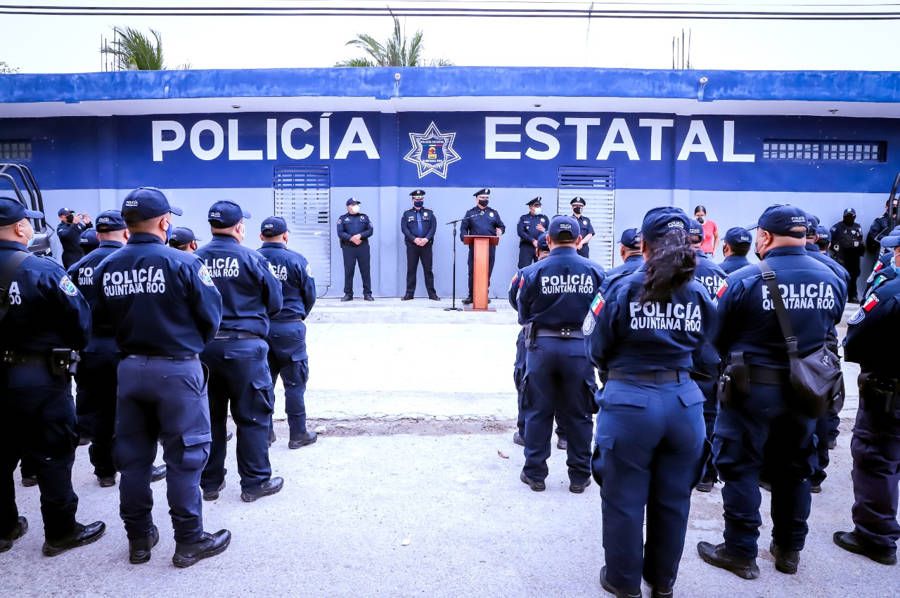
413, 490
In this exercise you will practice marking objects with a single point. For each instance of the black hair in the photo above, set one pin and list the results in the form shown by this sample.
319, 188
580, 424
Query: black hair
670, 266
700, 208
740, 249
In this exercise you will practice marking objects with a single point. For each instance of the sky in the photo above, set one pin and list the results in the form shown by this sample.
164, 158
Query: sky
67, 44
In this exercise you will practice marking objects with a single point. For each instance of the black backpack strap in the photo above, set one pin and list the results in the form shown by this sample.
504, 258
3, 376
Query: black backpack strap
784, 322
7, 271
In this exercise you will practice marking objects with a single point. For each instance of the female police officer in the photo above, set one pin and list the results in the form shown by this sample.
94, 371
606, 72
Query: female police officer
643, 330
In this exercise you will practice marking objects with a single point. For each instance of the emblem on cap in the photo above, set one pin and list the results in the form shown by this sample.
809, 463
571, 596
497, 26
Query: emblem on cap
432, 151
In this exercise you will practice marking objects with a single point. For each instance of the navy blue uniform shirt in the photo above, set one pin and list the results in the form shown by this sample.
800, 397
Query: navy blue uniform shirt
709, 274
250, 292
46, 309
813, 250
733, 263
555, 292
747, 321
872, 329
631, 264
481, 222
349, 225
82, 274
297, 283
623, 333
418, 224
587, 227
527, 228
160, 301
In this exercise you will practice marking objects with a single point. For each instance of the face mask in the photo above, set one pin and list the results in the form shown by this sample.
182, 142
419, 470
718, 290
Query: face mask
168, 231
577, 209
700, 219
537, 211
849, 219
418, 203
483, 203
354, 209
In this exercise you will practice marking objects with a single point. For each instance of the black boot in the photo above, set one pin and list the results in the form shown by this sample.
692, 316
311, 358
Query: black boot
213, 494
267, 488
718, 556
850, 542
347, 297
617, 592
786, 561
159, 473
6, 542
368, 297
517, 438
139, 550
209, 545
302, 440
82, 535
536, 485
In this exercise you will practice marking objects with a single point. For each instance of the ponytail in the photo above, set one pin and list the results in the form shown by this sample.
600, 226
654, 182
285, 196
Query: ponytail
670, 266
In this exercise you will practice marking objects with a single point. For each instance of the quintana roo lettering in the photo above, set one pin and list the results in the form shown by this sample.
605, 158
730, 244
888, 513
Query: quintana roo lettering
557, 284
670, 316
150, 280
223, 267
813, 295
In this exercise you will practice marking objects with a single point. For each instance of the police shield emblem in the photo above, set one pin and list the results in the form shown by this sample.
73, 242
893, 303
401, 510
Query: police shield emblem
432, 151
68, 287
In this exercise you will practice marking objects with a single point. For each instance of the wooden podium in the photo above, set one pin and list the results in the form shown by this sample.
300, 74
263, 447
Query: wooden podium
481, 268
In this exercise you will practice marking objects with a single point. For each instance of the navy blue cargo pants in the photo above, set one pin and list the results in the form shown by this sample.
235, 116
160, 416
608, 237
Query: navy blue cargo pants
288, 359
95, 401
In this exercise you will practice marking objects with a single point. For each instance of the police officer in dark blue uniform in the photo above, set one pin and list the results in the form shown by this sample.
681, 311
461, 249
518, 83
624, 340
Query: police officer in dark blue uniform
287, 332
735, 247
354, 230
871, 332
418, 226
554, 294
823, 238
481, 220
630, 252
88, 241
69, 230
587, 229
848, 246
883, 263
642, 330
45, 319
164, 308
530, 227
95, 401
760, 424
184, 239
237, 358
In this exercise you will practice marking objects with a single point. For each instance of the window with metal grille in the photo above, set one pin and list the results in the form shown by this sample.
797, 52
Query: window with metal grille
15, 150
303, 199
846, 151
598, 188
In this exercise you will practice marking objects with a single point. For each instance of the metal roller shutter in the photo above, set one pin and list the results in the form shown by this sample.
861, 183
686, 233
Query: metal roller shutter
598, 188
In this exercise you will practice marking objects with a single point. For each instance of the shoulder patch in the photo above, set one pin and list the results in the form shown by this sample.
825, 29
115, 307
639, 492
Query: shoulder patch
205, 277
308, 270
858, 316
590, 322
597, 304
68, 287
722, 288
870, 303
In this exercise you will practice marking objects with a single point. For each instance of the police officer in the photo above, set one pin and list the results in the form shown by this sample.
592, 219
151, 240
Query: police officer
46, 319
735, 247
883, 263
642, 330
823, 238
163, 308
88, 241
354, 230
630, 252
95, 401
759, 423
69, 230
237, 358
418, 226
706, 360
287, 332
848, 246
876, 435
587, 229
881, 227
184, 239
531, 226
481, 220
554, 294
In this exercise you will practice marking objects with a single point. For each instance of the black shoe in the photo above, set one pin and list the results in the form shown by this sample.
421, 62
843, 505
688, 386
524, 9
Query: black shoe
786, 561
517, 439
229, 436
6, 542
765, 486
537, 486
267, 488
209, 545
578, 487
29, 481
705, 486
209, 495
347, 297
368, 297
406, 297
467, 301
850, 542
816, 487
139, 550
83, 441
107, 481
434, 297
159, 473
304, 440
82, 535
662, 593
562, 444
717, 556
618, 593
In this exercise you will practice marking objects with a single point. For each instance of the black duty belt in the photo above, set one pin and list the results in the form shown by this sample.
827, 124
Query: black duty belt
234, 335
567, 333
655, 377
763, 375
188, 357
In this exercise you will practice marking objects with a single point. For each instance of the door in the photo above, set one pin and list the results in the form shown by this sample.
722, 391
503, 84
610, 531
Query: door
598, 188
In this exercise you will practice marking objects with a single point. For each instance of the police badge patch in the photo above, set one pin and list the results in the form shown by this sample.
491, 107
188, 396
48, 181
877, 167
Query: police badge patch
205, 278
857, 317
589, 323
68, 287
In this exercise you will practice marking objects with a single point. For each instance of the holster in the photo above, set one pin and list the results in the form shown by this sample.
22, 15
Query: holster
734, 382
64, 362
879, 395
530, 335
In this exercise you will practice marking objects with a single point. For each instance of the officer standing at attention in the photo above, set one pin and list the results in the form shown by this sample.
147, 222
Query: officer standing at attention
69, 230
95, 401
237, 358
531, 226
630, 252
164, 309
43, 320
184, 239
587, 229
354, 230
759, 421
481, 220
287, 332
876, 435
554, 295
735, 247
642, 330
418, 226
848, 246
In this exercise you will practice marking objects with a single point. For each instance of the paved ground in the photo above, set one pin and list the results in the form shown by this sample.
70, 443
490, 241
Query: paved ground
422, 512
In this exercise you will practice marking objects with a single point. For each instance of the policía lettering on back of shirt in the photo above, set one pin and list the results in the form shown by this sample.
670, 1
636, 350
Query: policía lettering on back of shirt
223, 267
280, 271
85, 276
812, 295
557, 284
15, 296
711, 282
684, 317
139, 281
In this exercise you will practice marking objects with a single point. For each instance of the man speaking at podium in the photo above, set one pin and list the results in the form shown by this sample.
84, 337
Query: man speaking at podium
481, 220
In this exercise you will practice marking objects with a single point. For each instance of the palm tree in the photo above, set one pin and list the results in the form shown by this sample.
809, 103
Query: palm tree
6, 69
134, 50
396, 51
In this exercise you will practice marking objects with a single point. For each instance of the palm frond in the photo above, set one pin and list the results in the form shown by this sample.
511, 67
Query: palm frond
134, 50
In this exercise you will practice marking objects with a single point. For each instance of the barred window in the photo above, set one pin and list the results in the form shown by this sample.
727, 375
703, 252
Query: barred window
15, 150
845, 151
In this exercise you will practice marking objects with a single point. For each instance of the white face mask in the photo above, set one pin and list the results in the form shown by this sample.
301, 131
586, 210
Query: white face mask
354, 209
537, 211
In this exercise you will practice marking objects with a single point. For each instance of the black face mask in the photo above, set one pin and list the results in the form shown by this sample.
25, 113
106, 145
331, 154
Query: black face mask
576, 209
849, 219
700, 219
70, 218
483, 203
